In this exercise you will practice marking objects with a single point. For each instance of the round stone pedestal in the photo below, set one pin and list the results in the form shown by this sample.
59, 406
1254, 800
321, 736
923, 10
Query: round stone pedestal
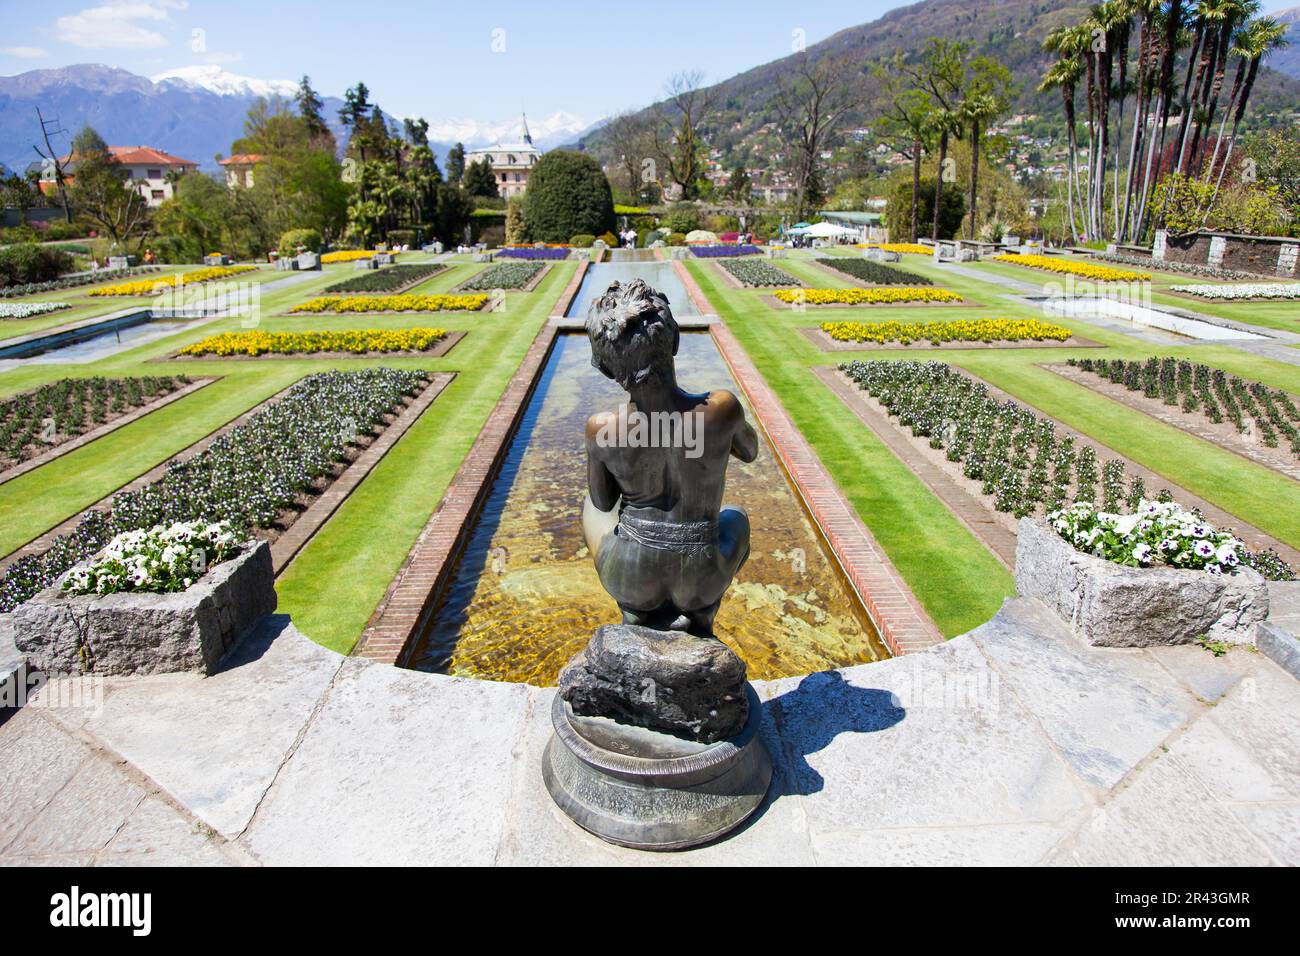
649, 790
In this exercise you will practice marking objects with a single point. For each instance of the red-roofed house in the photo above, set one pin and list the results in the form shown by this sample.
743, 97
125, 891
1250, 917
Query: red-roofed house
146, 167
239, 169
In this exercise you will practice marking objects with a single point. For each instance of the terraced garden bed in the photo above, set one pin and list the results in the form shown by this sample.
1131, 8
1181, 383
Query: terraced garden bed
755, 273
29, 310
871, 273
522, 276
340, 343
391, 280
1241, 292
261, 473
857, 298
1069, 267
954, 333
181, 279
392, 303
35, 422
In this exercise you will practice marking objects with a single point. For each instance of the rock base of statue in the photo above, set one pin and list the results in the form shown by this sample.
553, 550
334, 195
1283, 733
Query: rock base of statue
664, 680
651, 790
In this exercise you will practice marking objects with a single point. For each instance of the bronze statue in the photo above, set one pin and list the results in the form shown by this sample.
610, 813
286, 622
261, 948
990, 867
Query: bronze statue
664, 546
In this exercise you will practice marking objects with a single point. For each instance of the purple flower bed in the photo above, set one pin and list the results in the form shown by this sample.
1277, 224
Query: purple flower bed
719, 252
526, 252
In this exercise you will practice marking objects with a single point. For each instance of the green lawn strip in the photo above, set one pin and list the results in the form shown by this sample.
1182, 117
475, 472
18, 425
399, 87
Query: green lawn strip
959, 582
37, 501
1250, 491
339, 578
1272, 315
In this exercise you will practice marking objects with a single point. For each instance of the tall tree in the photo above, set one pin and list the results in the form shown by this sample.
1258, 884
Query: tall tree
309, 108
456, 163
905, 110
810, 100
102, 194
480, 180
677, 135
986, 94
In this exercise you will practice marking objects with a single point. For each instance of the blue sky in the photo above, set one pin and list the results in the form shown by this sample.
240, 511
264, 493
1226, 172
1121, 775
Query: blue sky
435, 59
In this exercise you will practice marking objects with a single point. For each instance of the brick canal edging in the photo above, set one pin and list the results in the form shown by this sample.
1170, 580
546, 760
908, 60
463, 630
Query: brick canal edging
286, 547
890, 603
86, 438
417, 588
998, 536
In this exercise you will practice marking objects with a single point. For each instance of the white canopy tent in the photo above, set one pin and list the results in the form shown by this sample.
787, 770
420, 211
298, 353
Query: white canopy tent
823, 230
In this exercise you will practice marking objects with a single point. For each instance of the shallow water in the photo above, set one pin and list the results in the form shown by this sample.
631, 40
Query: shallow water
660, 276
525, 597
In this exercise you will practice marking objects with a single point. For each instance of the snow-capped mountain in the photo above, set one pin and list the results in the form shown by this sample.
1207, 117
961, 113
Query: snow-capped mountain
559, 127
216, 80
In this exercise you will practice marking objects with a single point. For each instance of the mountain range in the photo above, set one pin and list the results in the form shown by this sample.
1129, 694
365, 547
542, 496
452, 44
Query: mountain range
1010, 31
196, 112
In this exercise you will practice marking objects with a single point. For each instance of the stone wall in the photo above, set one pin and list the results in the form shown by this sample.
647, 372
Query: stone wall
1265, 255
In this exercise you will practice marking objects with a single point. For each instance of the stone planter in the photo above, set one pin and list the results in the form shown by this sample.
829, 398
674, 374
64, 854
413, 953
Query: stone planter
1112, 605
143, 633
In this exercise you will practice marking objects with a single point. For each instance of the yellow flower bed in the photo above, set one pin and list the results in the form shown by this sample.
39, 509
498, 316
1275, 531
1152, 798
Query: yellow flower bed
158, 286
959, 330
874, 296
1085, 270
349, 255
469, 302
299, 343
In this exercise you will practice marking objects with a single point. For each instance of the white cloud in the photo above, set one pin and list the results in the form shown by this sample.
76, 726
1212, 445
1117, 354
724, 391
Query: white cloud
23, 52
114, 25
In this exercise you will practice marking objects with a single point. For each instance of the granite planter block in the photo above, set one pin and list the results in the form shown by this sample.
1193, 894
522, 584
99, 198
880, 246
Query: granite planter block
144, 633
1113, 605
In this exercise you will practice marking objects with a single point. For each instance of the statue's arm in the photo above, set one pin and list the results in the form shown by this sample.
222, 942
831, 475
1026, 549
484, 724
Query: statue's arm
601, 486
744, 440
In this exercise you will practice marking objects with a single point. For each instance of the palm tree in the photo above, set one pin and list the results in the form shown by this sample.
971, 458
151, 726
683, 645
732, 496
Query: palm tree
1064, 75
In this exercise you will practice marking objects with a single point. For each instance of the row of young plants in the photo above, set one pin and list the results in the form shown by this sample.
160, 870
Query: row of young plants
505, 275
158, 286
956, 330
876, 273
724, 251
358, 341
1017, 456
73, 281
394, 303
892, 295
32, 422
1169, 265
756, 272
387, 280
1084, 270
1212, 392
27, 310
246, 477
1281, 291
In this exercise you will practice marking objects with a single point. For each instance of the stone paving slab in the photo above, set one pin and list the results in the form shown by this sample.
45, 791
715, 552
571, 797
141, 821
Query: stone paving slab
247, 718
992, 748
400, 767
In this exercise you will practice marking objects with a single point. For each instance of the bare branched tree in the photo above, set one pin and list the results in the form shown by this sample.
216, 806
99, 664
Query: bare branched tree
810, 101
677, 133
52, 162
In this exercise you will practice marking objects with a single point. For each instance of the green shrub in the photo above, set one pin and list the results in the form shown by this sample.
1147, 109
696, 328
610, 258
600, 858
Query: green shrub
309, 239
682, 217
609, 239
567, 194
29, 262
582, 240
676, 239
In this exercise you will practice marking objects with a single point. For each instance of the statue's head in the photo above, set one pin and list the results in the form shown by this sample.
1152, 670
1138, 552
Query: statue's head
633, 334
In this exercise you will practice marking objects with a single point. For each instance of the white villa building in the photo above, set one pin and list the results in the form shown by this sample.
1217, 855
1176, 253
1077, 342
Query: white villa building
145, 166
511, 162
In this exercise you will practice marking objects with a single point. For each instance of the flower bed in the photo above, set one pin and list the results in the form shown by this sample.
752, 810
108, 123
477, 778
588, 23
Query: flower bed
72, 282
1287, 292
1211, 391
724, 252
1084, 270
387, 280
529, 252
1016, 455
359, 341
159, 286
393, 303
755, 272
903, 248
26, 310
505, 275
159, 559
248, 476
957, 330
1133, 599
348, 255
1170, 265
888, 296
33, 422
876, 273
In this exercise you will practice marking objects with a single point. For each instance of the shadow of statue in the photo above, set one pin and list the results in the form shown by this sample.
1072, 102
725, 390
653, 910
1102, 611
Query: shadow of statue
808, 718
